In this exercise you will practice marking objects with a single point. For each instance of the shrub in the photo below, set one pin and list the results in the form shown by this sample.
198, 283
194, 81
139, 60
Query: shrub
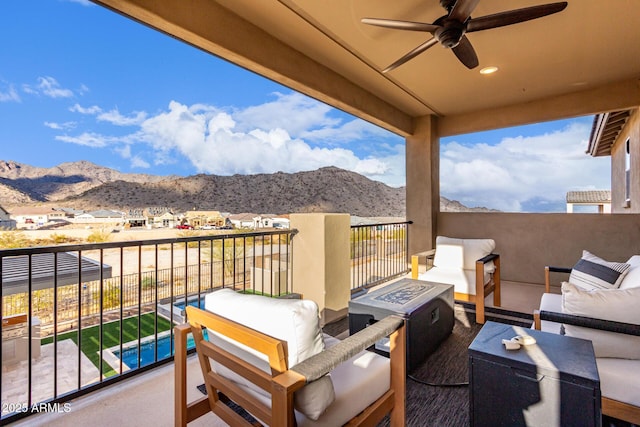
99, 236
13, 239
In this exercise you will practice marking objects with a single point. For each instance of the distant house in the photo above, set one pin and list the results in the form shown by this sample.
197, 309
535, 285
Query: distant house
242, 220
160, 217
99, 217
33, 216
617, 134
599, 198
199, 219
5, 220
135, 218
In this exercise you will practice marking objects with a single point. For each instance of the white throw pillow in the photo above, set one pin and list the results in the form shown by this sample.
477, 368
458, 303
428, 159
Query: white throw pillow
592, 272
619, 305
632, 278
292, 320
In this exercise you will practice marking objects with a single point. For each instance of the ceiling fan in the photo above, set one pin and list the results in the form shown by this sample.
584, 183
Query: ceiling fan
449, 30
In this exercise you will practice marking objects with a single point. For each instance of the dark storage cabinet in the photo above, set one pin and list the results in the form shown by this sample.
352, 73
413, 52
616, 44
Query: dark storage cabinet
427, 308
554, 382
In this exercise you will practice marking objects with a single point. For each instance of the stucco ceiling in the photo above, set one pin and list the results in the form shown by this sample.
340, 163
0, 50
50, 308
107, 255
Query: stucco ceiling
585, 59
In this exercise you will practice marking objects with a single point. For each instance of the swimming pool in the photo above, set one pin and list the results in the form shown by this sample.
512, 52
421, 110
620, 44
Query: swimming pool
147, 351
195, 302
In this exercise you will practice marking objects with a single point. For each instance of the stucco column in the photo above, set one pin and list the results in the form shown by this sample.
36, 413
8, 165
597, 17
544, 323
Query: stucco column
423, 183
321, 261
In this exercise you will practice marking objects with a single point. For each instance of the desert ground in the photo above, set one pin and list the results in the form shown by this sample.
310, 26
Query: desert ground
130, 259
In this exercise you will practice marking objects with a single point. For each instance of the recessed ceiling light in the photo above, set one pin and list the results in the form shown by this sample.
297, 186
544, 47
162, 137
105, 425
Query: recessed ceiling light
489, 70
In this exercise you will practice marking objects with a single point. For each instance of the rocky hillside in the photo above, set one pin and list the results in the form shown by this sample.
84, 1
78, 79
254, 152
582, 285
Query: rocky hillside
325, 190
84, 185
21, 183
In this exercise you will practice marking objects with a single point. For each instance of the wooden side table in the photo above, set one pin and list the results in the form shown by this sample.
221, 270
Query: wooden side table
553, 382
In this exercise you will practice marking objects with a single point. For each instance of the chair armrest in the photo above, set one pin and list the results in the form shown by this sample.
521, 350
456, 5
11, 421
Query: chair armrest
590, 322
547, 277
490, 257
321, 364
415, 261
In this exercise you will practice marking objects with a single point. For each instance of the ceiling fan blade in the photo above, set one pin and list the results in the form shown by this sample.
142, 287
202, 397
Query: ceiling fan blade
415, 52
514, 16
401, 25
465, 53
463, 9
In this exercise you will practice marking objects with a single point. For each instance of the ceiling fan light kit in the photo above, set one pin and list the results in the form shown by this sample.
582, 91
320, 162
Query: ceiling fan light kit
449, 30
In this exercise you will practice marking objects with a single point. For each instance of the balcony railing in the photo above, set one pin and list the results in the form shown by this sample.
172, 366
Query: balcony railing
378, 253
78, 317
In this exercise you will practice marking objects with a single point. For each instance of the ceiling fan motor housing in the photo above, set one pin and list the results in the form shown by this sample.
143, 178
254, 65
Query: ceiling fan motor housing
450, 32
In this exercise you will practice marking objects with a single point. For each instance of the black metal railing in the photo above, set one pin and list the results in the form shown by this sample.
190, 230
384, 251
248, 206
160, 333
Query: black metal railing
378, 253
78, 317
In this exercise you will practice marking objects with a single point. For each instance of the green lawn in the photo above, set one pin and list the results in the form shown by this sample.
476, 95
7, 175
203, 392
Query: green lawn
111, 336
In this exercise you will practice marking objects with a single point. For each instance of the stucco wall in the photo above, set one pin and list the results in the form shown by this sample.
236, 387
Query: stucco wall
528, 242
618, 167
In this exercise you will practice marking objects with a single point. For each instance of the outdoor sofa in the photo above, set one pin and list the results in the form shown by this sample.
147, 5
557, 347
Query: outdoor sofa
601, 303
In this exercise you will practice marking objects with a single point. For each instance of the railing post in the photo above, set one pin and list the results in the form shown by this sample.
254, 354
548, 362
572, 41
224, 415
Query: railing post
321, 271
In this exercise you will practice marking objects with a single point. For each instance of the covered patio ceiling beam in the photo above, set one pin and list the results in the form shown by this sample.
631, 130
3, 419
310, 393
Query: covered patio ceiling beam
214, 29
609, 97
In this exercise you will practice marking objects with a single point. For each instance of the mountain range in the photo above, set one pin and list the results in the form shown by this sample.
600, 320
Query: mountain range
85, 185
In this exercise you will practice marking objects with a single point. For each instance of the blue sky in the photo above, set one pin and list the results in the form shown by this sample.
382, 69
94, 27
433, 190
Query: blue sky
79, 82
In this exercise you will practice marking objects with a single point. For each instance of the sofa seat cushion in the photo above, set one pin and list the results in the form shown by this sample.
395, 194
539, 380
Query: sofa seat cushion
619, 305
632, 278
292, 320
619, 379
462, 253
592, 272
464, 281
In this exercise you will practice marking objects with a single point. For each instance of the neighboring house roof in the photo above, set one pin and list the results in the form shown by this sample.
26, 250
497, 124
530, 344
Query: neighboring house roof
243, 216
605, 130
590, 196
15, 271
31, 210
105, 214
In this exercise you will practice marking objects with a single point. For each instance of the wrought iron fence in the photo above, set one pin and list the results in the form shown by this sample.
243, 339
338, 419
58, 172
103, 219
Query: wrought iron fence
378, 253
78, 317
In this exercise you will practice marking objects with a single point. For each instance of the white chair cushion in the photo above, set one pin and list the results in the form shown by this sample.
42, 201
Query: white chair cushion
592, 272
463, 281
632, 278
461, 253
620, 305
295, 321
359, 382
619, 379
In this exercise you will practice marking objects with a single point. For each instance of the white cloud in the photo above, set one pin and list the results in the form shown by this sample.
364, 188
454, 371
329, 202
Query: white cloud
293, 112
60, 126
87, 140
114, 117
9, 94
139, 162
522, 169
77, 108
50, 87
215, 143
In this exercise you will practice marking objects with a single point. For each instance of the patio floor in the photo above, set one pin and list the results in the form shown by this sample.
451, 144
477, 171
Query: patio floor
147, 399
15, 376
